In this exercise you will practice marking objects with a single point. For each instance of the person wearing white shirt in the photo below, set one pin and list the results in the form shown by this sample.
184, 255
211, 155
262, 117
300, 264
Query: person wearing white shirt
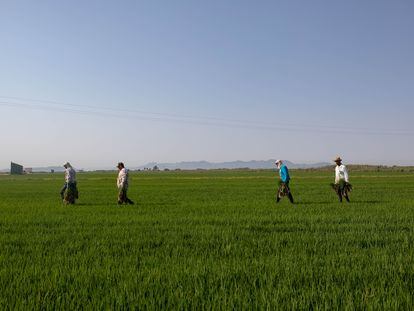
122, 183
342, 185
69, 192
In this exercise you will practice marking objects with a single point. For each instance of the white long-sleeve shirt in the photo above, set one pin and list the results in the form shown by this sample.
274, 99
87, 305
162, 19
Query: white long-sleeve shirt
70, 175
341, 173
122, 181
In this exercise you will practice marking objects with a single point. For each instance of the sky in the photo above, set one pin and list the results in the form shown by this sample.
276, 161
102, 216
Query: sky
97, 82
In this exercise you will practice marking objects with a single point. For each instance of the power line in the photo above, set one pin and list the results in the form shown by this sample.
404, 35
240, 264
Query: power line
193, 117
172, 118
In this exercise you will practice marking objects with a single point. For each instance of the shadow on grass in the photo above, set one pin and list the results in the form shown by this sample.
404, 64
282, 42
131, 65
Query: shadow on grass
313, 202
79, 204
368, 201
335, 202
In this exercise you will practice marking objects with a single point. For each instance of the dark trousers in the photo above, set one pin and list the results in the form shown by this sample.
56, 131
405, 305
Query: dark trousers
123, 197
284, 190
342, 193
69, 192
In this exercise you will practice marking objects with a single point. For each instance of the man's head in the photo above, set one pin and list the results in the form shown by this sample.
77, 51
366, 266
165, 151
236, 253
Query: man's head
278, 163
66, 165
338, 161
120, 165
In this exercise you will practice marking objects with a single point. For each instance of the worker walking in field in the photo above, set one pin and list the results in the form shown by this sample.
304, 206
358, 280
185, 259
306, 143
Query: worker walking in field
284, 189
341, 186
69, 192
122, 184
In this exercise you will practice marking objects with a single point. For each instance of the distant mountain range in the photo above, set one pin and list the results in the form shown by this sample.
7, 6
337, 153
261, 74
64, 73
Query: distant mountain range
205, 165
268, 164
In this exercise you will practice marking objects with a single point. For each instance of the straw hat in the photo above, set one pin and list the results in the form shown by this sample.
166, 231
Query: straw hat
338, 159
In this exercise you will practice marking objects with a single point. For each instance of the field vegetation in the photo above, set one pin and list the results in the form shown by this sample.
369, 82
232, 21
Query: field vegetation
208, 239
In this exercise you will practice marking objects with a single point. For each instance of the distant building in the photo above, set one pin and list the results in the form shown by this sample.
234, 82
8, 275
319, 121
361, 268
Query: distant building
28, 170
16, 169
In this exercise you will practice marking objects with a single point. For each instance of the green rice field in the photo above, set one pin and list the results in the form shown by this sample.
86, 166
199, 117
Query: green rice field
207, 240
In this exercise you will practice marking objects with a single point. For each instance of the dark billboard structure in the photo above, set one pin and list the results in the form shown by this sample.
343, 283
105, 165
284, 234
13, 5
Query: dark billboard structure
16, 169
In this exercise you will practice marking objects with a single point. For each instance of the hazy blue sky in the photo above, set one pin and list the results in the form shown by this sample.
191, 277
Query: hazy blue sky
308, 79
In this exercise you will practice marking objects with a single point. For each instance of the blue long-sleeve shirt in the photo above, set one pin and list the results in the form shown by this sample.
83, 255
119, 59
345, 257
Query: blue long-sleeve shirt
284, 173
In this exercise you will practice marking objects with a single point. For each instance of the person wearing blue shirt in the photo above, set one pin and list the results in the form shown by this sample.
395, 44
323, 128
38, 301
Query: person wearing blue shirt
284, 189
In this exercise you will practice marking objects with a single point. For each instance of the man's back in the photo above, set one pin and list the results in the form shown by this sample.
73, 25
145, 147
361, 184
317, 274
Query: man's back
284, 173
70, 175
122, 178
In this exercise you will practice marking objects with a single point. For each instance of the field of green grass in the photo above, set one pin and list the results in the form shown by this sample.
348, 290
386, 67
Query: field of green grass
207, 240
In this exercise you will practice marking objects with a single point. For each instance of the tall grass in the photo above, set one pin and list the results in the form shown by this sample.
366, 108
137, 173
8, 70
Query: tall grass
207, 240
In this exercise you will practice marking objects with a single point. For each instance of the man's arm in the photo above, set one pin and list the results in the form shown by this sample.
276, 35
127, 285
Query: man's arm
283, 174
345, 174
336, 175
121, 179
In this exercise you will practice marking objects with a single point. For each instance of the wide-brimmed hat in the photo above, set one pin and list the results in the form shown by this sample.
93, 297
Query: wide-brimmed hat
338, 159
67, 164
278, 161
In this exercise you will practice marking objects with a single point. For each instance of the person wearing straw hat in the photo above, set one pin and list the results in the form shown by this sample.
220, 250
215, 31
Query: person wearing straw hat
284, 189
123, 184
69, 192
341, 186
